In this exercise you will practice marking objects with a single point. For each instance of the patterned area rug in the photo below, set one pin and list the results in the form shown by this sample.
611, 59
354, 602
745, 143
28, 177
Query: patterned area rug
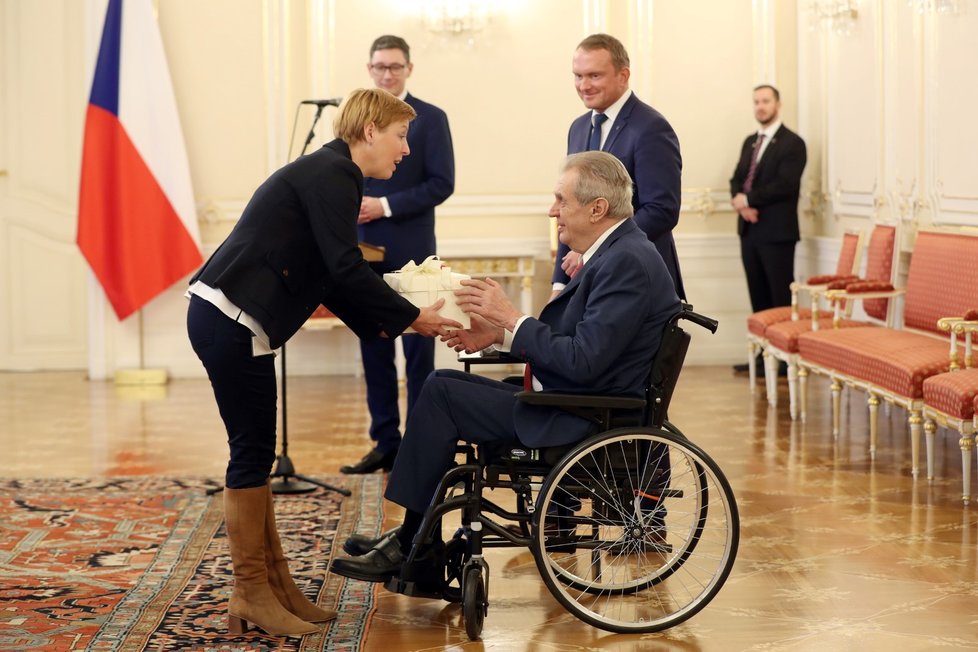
142, 564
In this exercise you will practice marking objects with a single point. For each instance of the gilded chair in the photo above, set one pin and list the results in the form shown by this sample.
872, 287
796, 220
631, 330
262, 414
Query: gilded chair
847, 267
891, 364
950, 398
781, 339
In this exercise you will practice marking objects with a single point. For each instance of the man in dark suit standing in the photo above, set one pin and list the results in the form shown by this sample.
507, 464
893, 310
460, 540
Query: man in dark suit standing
399, 215
598, 335
764, 191
621, 124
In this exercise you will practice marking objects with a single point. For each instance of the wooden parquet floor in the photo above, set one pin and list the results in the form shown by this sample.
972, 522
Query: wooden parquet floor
838, 551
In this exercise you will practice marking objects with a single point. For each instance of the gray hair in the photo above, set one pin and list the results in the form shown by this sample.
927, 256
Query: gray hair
600, 174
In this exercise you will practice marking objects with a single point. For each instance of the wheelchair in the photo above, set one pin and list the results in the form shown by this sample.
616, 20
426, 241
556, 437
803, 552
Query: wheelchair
633, 530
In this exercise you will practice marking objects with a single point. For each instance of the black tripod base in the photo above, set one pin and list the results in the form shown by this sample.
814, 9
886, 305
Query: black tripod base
290, 485
286, 481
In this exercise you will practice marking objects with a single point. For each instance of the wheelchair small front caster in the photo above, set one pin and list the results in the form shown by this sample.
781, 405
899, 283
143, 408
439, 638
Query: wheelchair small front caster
474, 602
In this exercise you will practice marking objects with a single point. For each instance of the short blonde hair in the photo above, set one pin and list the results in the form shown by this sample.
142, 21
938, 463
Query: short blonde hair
366, 105
600, 174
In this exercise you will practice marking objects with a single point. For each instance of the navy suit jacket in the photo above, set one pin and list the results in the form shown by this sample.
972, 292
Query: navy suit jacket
295, 246
774, 192
642, 139
424, 179
598, 336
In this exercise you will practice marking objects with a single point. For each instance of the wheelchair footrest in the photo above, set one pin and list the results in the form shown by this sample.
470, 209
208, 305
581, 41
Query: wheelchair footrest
412, 589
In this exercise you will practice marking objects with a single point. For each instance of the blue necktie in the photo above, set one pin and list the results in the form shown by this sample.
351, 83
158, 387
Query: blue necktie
597, 120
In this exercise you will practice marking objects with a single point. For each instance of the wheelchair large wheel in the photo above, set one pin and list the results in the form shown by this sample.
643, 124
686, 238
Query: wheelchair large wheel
635, 530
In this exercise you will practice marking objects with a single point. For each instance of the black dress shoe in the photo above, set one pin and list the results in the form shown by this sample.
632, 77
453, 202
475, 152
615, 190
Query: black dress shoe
742, 368
378, 565
358, 544
375, 460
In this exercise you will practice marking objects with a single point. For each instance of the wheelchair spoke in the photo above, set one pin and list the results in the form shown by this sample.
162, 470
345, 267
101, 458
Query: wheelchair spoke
635, 531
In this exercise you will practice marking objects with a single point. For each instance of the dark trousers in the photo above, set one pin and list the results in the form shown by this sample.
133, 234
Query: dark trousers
453, 406
380, 374
770, 269
245, 389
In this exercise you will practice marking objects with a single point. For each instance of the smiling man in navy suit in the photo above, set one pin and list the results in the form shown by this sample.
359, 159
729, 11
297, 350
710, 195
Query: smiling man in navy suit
764, 191
639, 136
598, 336
399, 215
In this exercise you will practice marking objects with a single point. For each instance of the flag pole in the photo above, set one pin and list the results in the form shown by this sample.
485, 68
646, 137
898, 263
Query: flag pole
142, 376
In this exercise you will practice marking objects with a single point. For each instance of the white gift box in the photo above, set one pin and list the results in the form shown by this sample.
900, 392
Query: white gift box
424, 284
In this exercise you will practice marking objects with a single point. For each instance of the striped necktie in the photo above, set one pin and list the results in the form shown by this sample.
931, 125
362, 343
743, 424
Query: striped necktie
752, 170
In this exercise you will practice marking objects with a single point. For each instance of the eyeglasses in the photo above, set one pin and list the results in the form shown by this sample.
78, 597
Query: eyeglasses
394, 68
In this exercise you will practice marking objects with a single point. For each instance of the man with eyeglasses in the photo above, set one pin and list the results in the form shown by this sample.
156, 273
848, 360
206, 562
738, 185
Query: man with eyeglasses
399, 215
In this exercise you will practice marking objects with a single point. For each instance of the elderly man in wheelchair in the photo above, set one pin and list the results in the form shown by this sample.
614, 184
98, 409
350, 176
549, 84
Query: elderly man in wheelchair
611, 507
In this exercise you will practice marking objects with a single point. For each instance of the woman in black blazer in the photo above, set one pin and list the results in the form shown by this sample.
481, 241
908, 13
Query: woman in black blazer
295, 247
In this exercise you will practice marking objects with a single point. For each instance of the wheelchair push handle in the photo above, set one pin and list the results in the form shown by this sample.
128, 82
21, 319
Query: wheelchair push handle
687, 313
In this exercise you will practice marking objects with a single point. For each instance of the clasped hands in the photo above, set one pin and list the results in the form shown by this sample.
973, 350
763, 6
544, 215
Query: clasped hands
739, 202
370, 209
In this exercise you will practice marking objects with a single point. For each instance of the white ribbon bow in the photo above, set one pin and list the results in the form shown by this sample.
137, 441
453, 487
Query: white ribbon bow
432, 266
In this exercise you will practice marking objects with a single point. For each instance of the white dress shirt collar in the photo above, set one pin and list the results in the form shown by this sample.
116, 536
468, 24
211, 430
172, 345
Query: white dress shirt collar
768, 133
586, 256
612, 113
769, 130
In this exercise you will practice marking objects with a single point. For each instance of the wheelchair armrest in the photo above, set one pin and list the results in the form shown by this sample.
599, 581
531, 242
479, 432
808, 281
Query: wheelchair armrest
555, 399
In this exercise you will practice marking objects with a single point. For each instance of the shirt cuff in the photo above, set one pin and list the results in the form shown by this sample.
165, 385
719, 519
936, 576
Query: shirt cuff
507, 344
386, 206
559, 286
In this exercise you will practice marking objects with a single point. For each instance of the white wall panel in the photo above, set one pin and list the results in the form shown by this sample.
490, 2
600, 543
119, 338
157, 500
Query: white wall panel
954, 85
42, 290
854, 114
902, 110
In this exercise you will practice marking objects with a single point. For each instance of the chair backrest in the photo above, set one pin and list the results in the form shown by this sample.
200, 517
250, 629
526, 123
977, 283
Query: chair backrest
942, 280
849, 254
668, 364
880, 265
665, 373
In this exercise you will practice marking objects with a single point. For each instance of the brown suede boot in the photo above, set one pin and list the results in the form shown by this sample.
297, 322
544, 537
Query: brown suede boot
252, 600
280, 579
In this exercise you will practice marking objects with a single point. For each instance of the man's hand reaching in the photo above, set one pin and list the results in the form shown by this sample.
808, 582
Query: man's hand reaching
429, 323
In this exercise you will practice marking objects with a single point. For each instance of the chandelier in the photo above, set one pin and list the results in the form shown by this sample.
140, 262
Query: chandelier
934, 6
838, 16
457, 18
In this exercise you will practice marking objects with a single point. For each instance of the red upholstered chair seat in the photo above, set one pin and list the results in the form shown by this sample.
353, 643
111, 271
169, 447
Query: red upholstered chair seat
784, 335
895, 360
759, 321
954, 393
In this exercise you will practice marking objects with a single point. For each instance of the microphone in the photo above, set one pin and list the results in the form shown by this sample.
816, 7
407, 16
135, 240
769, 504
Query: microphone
335, 101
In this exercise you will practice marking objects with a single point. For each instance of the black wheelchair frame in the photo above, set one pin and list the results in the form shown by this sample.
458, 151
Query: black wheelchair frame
634, 529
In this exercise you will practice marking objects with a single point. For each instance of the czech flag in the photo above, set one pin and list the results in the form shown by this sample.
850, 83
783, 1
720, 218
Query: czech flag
137, 225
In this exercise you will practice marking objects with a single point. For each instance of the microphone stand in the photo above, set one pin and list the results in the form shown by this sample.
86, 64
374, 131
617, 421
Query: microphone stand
284, 478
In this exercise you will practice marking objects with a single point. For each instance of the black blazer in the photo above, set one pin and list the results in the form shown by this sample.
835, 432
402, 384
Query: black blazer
423, 180
777, 184
296, 246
